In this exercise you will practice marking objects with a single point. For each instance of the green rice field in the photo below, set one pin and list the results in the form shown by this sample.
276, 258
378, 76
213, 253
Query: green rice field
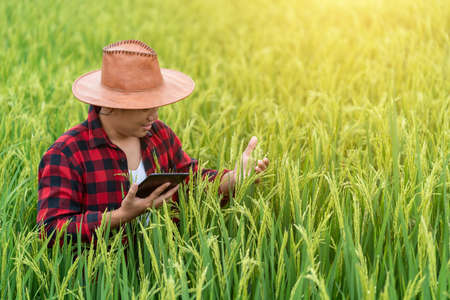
350, 100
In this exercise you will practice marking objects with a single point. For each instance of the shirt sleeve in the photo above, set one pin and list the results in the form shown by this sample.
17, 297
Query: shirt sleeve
60, 196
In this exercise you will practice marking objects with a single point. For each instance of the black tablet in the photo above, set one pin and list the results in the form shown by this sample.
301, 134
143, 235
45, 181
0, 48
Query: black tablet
155, 180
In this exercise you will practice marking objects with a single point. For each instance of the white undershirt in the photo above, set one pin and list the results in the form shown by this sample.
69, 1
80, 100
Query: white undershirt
138, 175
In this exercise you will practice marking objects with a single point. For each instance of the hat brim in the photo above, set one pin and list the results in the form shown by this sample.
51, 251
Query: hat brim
176, 86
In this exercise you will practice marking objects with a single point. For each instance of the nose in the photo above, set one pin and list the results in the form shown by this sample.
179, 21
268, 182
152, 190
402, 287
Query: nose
152, 116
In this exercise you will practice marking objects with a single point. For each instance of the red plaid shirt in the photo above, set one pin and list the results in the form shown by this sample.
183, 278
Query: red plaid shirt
78, 175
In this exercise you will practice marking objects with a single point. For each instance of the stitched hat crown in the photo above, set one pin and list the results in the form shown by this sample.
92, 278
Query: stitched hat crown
130, 66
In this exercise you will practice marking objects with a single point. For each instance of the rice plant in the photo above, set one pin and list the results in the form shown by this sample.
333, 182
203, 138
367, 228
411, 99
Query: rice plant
350, 102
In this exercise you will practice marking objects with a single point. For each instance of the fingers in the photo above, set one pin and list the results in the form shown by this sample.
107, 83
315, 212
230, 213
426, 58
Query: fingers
157, 192
162, 198
135, 206
262, 165
132, 191
251, 145
170, 193
247, 164
154, 198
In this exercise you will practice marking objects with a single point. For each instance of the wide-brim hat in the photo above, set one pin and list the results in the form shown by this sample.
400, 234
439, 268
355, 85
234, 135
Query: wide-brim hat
131, 78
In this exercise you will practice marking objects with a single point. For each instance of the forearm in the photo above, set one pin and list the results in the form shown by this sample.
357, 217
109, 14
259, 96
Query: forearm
227, 183
116, 218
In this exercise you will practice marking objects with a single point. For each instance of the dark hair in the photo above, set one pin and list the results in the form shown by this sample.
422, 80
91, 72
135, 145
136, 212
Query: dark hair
98, 109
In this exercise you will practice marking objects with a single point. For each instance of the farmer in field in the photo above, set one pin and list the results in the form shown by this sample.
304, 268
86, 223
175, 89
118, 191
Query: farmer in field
80, 175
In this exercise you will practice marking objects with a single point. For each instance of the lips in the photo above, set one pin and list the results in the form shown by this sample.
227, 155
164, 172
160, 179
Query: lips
148, 126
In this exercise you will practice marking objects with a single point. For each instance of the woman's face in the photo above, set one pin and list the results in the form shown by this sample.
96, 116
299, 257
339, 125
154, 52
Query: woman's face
132, 122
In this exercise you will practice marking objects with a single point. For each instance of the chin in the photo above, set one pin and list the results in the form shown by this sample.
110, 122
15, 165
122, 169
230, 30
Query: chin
142, 133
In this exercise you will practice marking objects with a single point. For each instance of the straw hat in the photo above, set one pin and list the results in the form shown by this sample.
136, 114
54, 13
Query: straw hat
131, 78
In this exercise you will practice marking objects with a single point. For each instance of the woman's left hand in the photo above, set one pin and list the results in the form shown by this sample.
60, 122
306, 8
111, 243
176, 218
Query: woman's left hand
246, 167
229, 180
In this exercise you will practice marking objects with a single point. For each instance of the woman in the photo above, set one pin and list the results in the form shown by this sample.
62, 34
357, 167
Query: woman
81, 176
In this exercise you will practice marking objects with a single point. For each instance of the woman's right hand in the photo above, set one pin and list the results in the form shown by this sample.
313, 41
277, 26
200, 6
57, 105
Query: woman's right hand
133, 206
